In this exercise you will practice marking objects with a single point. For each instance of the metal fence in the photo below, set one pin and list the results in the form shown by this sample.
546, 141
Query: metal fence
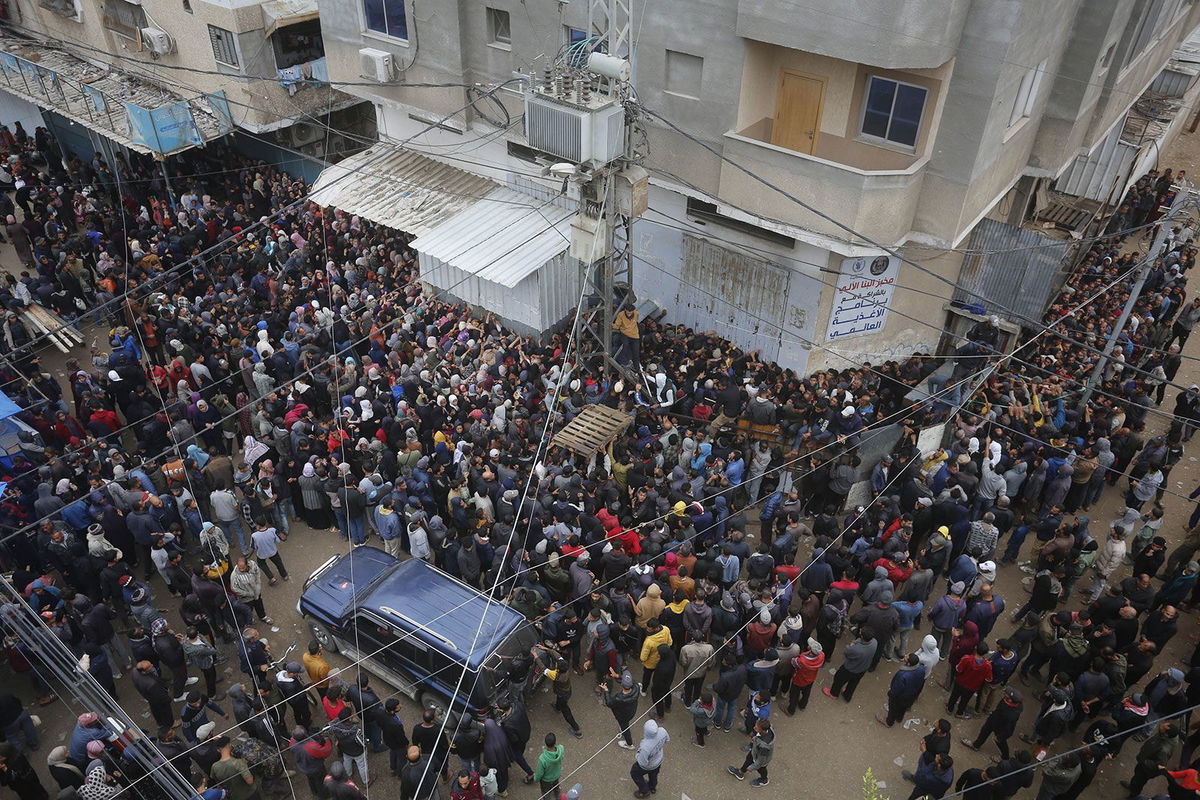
1024, 277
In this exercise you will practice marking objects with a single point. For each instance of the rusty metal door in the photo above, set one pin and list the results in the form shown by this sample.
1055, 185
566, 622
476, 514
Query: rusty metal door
742, 298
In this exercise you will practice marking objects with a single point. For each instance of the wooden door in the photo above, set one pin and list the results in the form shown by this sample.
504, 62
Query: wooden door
797, 111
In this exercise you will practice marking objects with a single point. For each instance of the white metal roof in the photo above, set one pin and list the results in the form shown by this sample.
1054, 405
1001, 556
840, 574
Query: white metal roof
399, 188
278, 13
503, 238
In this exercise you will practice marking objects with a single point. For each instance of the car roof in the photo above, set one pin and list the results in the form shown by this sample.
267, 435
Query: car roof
333, 593
445, 611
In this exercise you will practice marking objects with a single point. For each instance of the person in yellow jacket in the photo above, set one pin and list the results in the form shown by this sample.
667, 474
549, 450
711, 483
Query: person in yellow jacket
656, 634
626, 326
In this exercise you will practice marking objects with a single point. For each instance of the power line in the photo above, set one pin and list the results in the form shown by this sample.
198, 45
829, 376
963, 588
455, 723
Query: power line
858, 517
890, 251
880, 428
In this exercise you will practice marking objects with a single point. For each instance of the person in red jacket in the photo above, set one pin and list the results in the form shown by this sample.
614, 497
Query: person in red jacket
611, 524
899, 569
466, 786
971, 673
627, 537
310, 752
805, 668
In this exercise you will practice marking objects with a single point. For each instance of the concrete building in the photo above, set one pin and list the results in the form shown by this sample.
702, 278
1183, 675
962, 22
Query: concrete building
264, 60
932, 126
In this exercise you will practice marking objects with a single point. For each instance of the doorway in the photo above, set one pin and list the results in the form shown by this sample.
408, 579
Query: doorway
797, 111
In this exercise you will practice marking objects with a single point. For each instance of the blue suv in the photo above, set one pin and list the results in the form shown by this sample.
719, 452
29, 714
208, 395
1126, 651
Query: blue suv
419, 629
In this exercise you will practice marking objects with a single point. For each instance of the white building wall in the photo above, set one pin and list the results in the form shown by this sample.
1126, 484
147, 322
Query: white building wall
738, 307
13, 109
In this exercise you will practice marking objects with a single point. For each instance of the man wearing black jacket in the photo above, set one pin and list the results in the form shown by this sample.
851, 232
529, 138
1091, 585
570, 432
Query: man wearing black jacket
369, 708
1001, 723
171, 657
295, 692
153, 688
1015, 774
394, 737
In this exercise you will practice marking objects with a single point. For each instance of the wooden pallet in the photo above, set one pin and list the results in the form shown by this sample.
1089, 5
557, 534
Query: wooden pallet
1065, 216
592, 430
54, 327
764, 433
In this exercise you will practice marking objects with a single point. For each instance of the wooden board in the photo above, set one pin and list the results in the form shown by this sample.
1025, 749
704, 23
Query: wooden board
61, 326
592, 430
52, 326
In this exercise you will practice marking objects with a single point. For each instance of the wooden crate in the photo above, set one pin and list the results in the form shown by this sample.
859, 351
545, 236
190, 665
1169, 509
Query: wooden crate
592, 430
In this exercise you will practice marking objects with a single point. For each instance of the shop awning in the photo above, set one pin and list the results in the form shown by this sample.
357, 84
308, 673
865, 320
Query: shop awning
399, 188
503, 238
278, 13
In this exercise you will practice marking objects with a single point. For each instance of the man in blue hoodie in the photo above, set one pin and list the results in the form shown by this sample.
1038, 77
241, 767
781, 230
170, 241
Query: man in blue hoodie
946, 613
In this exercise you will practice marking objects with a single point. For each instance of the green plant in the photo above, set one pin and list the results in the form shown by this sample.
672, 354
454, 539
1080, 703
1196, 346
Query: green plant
871, 790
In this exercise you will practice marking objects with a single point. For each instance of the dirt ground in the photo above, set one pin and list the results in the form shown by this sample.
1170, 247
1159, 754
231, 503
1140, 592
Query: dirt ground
823, 751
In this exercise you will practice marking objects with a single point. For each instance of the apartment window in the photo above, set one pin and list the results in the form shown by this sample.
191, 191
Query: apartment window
574, 35
224, 46
1027, 94
499, 27
684, 74
124, 18
892, 111
64, 8
1156, 16
387, 17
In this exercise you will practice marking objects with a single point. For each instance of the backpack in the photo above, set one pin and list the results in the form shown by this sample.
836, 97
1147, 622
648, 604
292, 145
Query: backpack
837, 621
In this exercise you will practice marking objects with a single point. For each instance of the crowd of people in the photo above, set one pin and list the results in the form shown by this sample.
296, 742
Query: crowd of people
271, 362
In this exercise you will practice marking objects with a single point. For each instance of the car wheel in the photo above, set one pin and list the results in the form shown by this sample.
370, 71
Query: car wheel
324, 637
431, 701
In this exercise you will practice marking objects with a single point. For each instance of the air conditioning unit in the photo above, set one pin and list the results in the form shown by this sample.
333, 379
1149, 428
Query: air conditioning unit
375, 64
321, 149
303, 133
578, 131
157, 41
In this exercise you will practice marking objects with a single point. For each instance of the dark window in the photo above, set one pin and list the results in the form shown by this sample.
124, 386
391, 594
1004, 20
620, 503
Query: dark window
298, 44
707, 212
893, 111
124, 18
387, 17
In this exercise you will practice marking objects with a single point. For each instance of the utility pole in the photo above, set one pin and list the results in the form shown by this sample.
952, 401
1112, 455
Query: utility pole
584, 112
1181, 198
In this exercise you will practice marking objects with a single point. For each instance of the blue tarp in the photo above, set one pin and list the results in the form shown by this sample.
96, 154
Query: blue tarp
7, 407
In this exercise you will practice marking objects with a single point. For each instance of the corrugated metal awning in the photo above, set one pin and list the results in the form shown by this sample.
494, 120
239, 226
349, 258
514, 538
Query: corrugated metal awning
503, 238
278, 13
399, 188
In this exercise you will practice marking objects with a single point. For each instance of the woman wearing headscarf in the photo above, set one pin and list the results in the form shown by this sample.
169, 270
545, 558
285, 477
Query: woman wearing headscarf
244, 408
663, 680
197, 455
496, 752
314, 508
